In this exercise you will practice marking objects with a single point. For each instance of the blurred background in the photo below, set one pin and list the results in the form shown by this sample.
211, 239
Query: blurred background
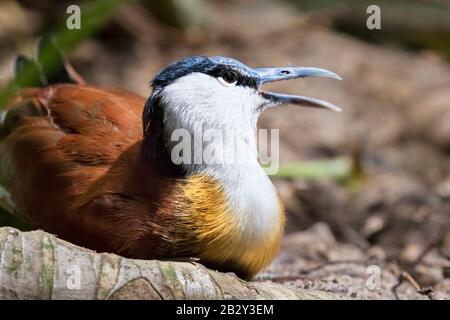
368, 186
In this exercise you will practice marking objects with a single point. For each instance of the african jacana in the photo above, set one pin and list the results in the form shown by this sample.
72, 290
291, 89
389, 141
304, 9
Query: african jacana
93, 165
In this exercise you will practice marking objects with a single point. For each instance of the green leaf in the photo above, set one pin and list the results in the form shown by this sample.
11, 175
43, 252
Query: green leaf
336, 168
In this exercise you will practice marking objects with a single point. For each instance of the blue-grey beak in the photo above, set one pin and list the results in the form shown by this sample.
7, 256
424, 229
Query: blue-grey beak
265, 75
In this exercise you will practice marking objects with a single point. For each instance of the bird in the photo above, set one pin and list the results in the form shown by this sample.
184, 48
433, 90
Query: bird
94, 165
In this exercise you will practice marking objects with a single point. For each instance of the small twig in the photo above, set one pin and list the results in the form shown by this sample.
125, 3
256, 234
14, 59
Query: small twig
405, 276
191, 260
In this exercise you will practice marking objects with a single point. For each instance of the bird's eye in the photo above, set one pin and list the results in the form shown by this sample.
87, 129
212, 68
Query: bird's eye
228, 78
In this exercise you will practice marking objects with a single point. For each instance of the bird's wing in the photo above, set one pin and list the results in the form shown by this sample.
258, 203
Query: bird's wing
70, 156
57, 142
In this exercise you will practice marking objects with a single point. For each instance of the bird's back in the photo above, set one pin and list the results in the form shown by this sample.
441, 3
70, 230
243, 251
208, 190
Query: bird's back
68, 148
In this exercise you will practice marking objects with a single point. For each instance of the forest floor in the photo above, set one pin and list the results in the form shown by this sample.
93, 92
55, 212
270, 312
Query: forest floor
393, 213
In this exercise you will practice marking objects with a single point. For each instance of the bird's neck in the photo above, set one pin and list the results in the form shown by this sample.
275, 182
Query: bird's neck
230, 160
231, 201
236, 239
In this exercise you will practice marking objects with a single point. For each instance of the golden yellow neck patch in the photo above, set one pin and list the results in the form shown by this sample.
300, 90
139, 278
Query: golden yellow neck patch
216, 235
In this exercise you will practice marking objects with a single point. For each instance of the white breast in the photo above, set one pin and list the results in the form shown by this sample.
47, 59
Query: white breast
252, 197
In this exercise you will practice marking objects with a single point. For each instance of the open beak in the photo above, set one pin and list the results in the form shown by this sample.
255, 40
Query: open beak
265, 75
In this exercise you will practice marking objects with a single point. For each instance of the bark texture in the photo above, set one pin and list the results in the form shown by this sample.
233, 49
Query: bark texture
38, 265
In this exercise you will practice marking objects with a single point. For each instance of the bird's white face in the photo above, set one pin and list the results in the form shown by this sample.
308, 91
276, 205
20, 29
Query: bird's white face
216, 111
223, 94
215, 102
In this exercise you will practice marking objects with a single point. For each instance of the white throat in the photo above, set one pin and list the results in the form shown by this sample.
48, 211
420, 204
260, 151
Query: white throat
224, 119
